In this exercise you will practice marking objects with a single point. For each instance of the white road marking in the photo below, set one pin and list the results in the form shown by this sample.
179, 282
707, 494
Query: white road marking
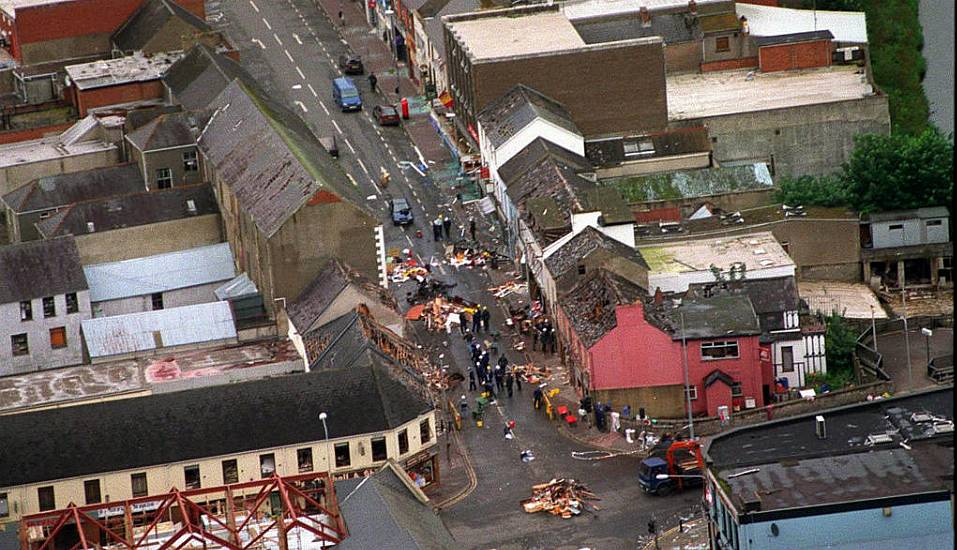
298, 70
260, 42
364, 169
323, 105
301, 106
268, 26
349, 145
311, 89
253, 4
343, 41
338, 129
274, 35
296, 37
297, 86
352, 179
289, 56
410, 240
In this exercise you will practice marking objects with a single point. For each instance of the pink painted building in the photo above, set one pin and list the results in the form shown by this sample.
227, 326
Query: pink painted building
626, 347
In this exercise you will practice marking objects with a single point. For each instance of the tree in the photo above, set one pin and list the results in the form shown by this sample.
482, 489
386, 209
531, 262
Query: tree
839, 345
812, 191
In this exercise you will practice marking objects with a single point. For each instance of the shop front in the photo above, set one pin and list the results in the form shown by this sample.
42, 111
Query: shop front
423, 467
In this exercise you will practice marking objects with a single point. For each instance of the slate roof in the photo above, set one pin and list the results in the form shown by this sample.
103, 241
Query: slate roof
130, 210
517, 108
582, 245
269, 157
160, 273
769, 297
149, 19
590, 305
40, 268
432, 12
671, 27
671, 142
328, 283
715, 317
535, 152
382, 511
63, 189
139, 117
607, 200
168, 130
793, 38
220, 420
197, 78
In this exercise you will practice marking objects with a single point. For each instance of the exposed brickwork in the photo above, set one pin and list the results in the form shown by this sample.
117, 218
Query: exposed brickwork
730, 64
65, 19
13, 136
112, 95
803, 55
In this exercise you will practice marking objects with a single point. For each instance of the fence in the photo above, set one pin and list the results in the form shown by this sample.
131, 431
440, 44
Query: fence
869, 359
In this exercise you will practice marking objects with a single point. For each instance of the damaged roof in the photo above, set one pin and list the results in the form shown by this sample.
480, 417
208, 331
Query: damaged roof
269, 158
37, 269
713, 317
164, 132
535, 152
586, 242
64, 189
517, 108
325, 287
149, 19
590, 305
771, 298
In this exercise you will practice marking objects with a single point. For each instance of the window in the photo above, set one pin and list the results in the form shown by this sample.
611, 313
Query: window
91, 488
736, 389
403, 442
26, 310
191, 473
691, 392
164, 178
157, 301
72, 304
304, 459
379, 451
190, 161
46, 498
787, 358
934, 222
4, 505
896, 227
230, 471
343, 458
719, 350
49, 307
425, 431
20, 345
722, 44
639, 147
267, 465
138, 481
58, 337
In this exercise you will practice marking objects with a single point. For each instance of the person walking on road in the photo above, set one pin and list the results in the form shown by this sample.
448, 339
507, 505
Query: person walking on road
472, 228
447, 226
437, 228
499, 378
464, 319
477, 322
518, 379
509, 381
537, 398
472, 386
373, 81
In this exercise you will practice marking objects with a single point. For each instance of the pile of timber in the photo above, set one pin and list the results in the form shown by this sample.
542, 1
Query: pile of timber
532, 374
559, 497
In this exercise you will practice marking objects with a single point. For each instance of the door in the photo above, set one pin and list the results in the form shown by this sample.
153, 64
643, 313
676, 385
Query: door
787, 359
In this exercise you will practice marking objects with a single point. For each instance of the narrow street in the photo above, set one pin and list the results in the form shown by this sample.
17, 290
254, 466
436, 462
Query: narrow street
291, 48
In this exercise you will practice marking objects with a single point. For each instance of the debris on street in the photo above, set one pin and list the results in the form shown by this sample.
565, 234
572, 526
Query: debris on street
402, 269
532, 374
559, 497
507, 288
446, 313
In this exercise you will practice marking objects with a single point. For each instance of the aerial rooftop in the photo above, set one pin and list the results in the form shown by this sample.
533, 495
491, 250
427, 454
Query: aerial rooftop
497, 37
123, 70
697, 95
755, 250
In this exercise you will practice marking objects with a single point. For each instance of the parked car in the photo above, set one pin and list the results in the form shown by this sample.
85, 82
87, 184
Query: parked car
401, 212
346, 95
386, 115
351, 64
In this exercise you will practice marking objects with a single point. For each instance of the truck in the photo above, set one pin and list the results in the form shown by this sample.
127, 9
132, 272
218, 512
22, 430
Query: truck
345, 94
673, 465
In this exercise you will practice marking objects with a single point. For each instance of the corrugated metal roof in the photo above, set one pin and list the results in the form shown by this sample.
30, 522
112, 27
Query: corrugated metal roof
160, 273
121, 334
238, 287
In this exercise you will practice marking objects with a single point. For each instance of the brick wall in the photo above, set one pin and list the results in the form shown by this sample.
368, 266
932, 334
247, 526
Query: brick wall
804, 55
76, 18
13, 136
682, 57
730, 64
112, 95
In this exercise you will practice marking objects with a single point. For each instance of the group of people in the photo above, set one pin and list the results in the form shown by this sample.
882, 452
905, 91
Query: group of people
442, 227
479, 321
493, 378
543, 332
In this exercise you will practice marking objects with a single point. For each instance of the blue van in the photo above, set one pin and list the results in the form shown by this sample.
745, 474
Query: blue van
346, 95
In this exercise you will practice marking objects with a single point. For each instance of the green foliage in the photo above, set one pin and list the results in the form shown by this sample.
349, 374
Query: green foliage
884, 173
839, 345
835, 380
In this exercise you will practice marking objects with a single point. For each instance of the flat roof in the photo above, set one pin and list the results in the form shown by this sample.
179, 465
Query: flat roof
851, 300
756, 250
122, 70
497, 37
603, 8
38, 150
697, 95
846, 26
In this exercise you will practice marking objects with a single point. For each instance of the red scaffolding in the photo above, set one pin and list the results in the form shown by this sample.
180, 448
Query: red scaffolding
256, 514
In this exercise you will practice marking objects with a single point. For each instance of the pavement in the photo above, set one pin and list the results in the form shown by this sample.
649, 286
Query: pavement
690, 535
894, 349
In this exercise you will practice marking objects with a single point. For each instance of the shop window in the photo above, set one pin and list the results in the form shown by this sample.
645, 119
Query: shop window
58, 337
736, 390
267, 465
343, 458
26, 310
379, 449
691, 392
72, 304
425, 431
190, 161
896, 227
722, 44
138, 482
47, 499
20, 345
91, 490
931, 223
164, 178
191, 473
4, 506
403, 442
719, 350
49, 307
156, 301
304, 459
230, 471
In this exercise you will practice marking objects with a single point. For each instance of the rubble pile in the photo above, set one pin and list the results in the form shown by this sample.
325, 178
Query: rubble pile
559, 497
532, 374
401, 270
507, 288
446, 314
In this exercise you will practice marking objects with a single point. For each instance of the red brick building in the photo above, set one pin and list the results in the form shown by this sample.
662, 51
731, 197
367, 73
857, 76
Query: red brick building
803, 50
626, 348
120, 81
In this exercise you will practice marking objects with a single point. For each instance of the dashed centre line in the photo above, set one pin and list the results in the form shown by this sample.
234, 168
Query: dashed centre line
289, 56
351, 148
363, 166
323, 105
338, 129
253, 4
276, 36
313, 90
298, 70
268, 26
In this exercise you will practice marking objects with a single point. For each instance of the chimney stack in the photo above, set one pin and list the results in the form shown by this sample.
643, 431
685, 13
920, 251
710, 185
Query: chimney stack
692, 7
645, 16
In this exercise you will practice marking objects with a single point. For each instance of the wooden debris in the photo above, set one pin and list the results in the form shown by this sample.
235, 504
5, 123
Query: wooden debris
532, 374
559, 497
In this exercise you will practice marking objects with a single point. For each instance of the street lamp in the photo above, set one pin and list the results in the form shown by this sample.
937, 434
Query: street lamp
323, 416
684, 365
927, 334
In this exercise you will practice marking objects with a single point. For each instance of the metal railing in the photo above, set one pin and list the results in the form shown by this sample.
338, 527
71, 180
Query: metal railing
870, 360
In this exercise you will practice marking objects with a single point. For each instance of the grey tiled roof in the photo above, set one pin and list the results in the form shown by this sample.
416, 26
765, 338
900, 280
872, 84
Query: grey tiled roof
590, 305
39, 268
715, 317
771, 298
672, 28
328, 283
168, 130
585, 243
197, 78
63, 189
516, 109
533, 153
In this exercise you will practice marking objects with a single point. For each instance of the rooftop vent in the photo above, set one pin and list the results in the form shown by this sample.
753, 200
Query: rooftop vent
191, 206
878, 439
820, 428
90, 228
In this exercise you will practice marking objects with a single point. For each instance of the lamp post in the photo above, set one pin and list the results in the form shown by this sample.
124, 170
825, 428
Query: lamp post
873, 329
323, 416
927, 334
684, 367
910, 371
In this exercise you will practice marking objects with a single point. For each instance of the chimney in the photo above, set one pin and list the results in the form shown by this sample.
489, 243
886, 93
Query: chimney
744, 24
645, 16
819, 427
90, 228
692, 7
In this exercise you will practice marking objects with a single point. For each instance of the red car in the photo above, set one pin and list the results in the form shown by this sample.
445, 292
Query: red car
386, 115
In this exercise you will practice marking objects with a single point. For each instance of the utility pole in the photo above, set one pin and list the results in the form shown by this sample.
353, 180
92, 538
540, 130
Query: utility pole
910, 372
684, 367
873, 329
